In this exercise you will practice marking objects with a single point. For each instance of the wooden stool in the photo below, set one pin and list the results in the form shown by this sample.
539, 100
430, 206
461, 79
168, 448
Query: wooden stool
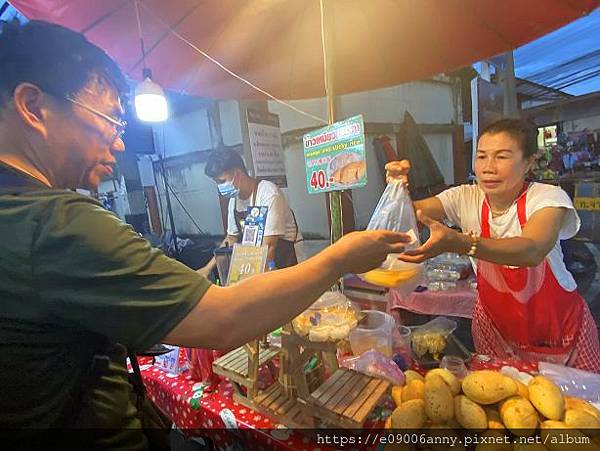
241, 365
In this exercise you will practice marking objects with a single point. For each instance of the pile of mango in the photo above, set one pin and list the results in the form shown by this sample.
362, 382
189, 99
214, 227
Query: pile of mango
493, 404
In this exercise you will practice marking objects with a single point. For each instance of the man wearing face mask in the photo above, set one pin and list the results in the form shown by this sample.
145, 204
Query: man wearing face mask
281, 233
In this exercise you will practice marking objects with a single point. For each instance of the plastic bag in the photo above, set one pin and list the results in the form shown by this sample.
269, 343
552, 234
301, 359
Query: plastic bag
572, 381
514, 373
395, 212
431, 338
201, 368
373, 363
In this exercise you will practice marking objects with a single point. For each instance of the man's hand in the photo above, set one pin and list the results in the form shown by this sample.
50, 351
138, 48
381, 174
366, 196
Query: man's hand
442, 239
397, 171
245, 310
359, 252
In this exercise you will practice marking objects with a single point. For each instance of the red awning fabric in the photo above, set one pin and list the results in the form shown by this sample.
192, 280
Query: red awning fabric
276, 44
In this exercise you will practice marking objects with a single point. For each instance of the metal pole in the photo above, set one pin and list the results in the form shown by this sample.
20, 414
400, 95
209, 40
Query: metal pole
169, 209
511, 108
327, 28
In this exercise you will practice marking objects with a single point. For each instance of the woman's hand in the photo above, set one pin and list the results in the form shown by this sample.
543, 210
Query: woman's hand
397, 171
441, 239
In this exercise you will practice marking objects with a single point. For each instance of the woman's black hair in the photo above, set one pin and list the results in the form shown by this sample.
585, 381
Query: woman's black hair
525, 132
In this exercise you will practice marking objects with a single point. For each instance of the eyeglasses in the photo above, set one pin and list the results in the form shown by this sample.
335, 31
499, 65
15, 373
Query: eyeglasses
119, 124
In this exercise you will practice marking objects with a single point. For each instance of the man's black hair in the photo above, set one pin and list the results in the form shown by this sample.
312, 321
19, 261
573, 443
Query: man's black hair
57, 60
522, 130
223, 160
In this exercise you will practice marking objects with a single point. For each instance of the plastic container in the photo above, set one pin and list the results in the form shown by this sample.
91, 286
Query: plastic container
330, 318
455, 365
223, 260
402, 343
374, 332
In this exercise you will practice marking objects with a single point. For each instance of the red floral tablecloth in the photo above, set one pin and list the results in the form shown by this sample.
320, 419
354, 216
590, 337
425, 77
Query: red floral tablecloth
482, 362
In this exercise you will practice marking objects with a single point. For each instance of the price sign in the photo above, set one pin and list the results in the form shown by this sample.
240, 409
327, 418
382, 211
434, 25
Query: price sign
246, 261
318, 180
587, 203
335, 156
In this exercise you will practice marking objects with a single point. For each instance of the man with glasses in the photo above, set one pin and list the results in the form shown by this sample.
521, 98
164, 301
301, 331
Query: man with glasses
76, 283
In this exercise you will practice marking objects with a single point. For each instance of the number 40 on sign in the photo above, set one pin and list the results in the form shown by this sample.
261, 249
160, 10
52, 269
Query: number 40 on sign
318, 180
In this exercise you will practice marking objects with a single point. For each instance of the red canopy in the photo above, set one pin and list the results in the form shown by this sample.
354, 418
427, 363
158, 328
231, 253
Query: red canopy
276, 44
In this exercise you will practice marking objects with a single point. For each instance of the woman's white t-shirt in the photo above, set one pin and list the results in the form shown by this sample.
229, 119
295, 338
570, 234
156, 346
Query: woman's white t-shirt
280, 220
462, 205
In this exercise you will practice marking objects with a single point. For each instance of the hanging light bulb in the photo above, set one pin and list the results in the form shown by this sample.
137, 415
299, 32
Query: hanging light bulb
150, 100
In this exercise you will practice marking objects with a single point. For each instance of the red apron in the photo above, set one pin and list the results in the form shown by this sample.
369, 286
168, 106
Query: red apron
536, 319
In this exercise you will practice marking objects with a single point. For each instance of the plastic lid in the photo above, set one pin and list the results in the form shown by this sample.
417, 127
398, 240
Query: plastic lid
375, 320
330, 299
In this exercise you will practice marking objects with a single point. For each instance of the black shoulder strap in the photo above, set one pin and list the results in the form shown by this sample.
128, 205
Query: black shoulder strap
136, 379
98, 365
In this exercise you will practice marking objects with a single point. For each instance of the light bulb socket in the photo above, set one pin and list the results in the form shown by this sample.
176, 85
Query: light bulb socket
146, 73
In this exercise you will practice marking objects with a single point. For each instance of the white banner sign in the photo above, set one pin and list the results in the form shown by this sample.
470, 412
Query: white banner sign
265, 145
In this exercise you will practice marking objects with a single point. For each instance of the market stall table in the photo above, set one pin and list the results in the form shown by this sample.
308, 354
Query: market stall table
214, 411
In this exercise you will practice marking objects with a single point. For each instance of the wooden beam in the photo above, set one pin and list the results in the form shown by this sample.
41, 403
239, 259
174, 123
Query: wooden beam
373, 128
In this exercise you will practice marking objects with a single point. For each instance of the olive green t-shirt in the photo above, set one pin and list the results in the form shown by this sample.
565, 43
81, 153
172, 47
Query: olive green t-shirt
71, 271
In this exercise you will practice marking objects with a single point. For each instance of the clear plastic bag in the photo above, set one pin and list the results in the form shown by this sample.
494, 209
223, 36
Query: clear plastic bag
373, 363
395, 212
572, 381
432, 337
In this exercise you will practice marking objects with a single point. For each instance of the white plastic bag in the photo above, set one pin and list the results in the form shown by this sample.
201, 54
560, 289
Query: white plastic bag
572, 381
395, 212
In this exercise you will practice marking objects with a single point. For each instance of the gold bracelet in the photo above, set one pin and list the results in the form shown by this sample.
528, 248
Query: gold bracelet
474, 242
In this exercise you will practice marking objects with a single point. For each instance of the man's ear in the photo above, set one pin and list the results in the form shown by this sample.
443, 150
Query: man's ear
31, 106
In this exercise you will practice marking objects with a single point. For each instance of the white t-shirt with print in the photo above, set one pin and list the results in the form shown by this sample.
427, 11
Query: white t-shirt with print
462, 205
280, 221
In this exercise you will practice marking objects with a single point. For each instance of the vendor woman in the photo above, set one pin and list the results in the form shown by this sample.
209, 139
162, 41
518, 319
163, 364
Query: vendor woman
528, 306
281, 232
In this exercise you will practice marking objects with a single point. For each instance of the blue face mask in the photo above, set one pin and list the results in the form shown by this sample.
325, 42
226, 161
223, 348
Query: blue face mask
228, 189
